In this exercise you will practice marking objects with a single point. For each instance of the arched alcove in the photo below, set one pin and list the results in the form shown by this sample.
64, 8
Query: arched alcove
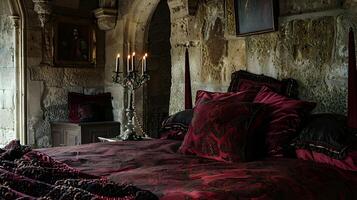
157, 92
137, 33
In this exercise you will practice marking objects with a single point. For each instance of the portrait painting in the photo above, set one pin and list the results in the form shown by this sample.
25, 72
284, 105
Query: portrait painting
74, 43
255, 16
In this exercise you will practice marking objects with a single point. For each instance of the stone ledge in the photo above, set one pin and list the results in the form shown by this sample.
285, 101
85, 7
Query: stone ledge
106, 18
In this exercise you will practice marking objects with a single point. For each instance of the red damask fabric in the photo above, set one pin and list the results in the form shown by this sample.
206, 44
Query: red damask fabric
286, 116
226, 130
30, 175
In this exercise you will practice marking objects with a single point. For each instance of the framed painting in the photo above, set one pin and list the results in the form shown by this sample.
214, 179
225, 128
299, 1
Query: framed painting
74, 42
255, 16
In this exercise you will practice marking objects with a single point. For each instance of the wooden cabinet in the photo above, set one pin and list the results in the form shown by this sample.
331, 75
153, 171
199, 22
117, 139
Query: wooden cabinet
70, 134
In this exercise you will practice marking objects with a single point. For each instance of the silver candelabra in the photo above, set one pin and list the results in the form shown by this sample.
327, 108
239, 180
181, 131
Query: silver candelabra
131, 81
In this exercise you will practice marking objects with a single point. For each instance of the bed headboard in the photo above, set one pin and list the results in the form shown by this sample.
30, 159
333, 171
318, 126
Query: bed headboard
287, 87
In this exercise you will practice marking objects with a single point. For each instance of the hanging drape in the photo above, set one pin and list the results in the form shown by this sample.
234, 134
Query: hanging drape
188, 92
352, 82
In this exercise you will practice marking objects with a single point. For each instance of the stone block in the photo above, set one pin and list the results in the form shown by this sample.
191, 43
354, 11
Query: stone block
54, 96
179, 8
179, 31
7, 119
35, 99
6, 42
92, 91
53, 76
291, 7
9, 99
7, 78
177, 98
6, 136
34, 42
88, 77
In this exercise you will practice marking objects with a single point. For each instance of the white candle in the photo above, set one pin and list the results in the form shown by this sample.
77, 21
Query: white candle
146, 55
117, 63
128, 64
133, 62
142, 65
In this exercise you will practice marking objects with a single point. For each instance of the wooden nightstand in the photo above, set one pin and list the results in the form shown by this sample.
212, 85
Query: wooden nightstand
69, 134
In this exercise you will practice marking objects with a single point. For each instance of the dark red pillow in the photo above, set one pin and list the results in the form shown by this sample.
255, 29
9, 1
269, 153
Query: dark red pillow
286, 116
226, 130
242, 96
100, 107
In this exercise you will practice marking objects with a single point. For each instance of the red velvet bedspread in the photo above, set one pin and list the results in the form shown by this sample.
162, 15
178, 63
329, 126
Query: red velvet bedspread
153, 165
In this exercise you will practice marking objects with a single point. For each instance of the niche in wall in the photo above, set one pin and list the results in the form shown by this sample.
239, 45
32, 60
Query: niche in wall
157, 91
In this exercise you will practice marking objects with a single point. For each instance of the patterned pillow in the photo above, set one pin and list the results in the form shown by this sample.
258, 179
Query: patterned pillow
325, 133
285, 119
175, 126
226, 130
242, 96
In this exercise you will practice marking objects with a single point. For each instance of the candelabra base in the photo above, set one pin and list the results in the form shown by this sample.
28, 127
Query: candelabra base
129, 135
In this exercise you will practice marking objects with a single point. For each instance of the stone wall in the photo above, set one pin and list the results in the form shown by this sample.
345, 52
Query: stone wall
309, 46
48, 86
7, 76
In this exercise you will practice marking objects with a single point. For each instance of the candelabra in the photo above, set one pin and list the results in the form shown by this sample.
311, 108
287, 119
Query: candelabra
131, 81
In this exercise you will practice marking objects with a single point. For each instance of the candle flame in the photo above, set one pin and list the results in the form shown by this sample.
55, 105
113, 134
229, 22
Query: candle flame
129, 57
118, 56
133, 53
146, 55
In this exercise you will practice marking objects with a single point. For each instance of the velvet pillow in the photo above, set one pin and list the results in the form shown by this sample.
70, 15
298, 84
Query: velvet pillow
175, 126
325, 133
286, 116
226, 130
81, 106
242, 96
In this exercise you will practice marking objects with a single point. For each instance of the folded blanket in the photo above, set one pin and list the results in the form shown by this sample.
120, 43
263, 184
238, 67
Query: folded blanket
27, 174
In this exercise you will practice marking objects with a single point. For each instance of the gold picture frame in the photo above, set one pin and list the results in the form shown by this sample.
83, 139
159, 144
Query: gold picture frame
74, 42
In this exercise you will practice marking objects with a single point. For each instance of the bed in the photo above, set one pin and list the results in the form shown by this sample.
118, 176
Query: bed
156, 170
154, 165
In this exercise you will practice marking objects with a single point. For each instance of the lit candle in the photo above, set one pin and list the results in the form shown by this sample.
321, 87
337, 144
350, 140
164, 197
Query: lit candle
117, 63
128, 64
133, 62
146, 55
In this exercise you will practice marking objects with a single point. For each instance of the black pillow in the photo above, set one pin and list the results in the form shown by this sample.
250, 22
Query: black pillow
287, 87
176, 125
325, 133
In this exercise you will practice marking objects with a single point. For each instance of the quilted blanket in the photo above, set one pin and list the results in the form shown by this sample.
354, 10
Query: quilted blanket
27, 174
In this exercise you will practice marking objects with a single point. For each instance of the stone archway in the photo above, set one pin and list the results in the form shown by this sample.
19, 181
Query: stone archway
132, 28
17, 17
136, 32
